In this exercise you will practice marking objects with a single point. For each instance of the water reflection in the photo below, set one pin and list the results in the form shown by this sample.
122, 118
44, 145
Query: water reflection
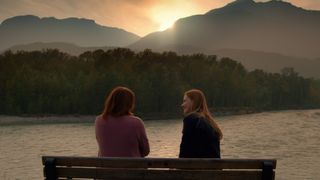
292, 137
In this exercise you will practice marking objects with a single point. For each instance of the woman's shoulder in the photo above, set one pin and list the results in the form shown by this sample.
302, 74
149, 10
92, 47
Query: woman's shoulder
98, 118
196, 120
134, 119
192, 118
128, 118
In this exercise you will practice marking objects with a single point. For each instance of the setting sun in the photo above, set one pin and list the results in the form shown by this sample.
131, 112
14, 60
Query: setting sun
165, 19
166, 15
166, 25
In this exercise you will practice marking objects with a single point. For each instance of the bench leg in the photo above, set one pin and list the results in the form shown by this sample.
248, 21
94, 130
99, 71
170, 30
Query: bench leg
50, 169
267, 171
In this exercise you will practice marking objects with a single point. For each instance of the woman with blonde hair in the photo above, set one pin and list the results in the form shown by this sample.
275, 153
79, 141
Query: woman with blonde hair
201, 135
118, 132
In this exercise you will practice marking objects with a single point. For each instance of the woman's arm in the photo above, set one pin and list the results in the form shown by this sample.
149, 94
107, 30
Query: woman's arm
144, 147
186, 146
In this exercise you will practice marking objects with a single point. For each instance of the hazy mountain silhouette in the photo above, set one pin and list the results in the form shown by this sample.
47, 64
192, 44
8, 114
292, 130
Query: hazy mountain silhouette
82, 32
272, 62
273, 26
71, 49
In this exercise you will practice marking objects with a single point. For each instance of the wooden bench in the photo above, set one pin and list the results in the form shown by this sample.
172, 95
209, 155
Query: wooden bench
59, 167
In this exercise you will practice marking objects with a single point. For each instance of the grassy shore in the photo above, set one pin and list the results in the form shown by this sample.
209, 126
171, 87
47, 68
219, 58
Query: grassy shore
24, 120
51, 119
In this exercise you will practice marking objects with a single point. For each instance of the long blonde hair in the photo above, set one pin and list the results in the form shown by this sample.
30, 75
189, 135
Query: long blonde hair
200, 107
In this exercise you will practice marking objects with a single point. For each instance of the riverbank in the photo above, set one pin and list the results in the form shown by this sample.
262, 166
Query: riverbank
66, 119
51, 119
26, 120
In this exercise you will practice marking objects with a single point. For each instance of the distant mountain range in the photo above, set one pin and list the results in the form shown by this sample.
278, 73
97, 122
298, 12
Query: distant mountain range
270, 62
261, 35
71, 49
273, 26
82, 32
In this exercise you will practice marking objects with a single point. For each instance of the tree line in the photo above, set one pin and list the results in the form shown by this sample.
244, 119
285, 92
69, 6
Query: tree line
52, 82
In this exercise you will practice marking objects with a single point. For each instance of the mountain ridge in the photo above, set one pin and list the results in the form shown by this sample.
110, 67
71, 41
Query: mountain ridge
82, 32
273, 26
267, 61
71, 49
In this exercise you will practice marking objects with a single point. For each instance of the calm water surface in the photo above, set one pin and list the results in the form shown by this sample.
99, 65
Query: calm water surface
292, 137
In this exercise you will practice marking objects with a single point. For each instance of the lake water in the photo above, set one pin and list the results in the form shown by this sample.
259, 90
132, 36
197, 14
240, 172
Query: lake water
291, 137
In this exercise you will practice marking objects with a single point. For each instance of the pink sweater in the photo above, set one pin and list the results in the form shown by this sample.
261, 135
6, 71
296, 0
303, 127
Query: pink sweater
123, 136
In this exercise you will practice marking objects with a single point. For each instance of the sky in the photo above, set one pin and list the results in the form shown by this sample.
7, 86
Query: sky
137, 16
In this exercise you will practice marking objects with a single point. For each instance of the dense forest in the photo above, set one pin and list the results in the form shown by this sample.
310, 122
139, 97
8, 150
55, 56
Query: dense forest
51, 82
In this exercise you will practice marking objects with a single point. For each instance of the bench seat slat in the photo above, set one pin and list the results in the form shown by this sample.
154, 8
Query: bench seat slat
139, 174
185, 163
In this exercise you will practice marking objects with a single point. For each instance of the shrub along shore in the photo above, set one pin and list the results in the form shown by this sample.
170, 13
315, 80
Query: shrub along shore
50, 82
7, 120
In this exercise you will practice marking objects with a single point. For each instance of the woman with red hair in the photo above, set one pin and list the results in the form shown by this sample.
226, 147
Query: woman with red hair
118, 132
201, 135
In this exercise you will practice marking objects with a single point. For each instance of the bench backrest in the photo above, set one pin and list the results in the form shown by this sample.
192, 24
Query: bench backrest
56, 167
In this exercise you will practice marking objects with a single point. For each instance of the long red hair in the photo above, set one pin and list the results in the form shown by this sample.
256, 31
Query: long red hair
200, 107
119, 102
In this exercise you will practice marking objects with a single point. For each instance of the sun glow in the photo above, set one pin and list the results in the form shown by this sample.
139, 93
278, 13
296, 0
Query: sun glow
165, 19
166, 24
166, 15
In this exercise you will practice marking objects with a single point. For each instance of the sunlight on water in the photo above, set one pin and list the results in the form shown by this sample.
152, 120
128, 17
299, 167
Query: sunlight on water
292, 137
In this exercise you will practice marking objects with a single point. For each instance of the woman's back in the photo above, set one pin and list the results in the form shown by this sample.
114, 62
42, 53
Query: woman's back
122, 136
199, 139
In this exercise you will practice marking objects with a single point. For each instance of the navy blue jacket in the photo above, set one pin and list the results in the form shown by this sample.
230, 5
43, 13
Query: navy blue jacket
199, 139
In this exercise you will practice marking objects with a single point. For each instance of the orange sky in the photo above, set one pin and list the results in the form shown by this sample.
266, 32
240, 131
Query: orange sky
138, 16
